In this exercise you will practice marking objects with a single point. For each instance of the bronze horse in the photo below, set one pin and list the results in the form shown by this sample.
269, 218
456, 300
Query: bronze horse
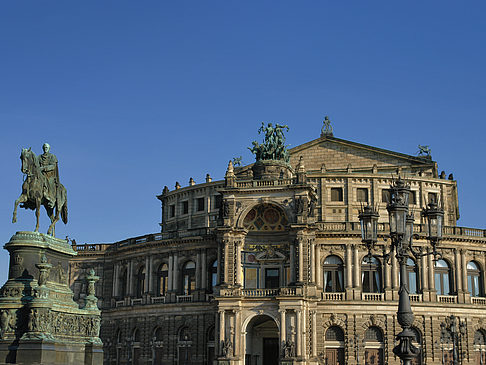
33, 193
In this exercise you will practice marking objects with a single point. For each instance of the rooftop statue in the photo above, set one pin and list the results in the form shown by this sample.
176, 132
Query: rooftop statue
424, 150
273, 147
42, 187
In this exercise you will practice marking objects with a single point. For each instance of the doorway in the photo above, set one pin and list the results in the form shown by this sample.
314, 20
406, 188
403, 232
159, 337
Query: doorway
262, 341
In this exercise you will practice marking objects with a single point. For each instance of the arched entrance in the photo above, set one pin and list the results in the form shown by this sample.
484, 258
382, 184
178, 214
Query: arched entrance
261, 345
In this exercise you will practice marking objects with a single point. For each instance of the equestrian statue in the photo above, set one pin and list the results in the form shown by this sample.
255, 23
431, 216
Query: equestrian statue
42, 187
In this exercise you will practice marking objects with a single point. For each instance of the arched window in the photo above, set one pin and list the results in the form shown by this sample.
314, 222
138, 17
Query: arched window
123, 284
157, 346
474, 282
373, 343
334, 346
480, 346
162, 280
333, 274
189, 278
210, 345
412, 271
371, 275
442, 278
213, 276
119, 345
184, 344
417, 342
140, 281
136, 349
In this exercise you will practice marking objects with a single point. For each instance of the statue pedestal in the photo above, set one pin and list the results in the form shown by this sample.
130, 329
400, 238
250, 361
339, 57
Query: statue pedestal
271, 170
39, 321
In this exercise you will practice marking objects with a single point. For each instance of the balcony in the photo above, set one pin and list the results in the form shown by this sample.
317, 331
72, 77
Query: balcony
157, 300
137, 301
372, 297
478, 300
415, 298
184, 298
449, 299
333, 297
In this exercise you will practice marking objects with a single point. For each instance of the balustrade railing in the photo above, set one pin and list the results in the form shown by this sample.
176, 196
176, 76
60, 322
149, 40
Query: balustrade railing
157, 300
333, 297
477, 300
450, 299
372, 297
184, 298
137, 301
414, 298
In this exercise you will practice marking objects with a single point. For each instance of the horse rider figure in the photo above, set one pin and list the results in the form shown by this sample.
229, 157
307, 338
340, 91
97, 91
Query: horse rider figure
48, 167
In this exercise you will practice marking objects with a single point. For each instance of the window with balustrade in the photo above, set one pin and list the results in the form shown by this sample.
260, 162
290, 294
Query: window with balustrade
189, 278
442, 274
333, 271
412, 271
162, 279
371, 275
474, 280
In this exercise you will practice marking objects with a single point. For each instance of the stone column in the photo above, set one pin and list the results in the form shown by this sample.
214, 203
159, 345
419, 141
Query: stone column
430, 268
176, 283
115, 279
314, 333
464, 271
349, 267
424, 277
129, 279
283, 332
292, 263
357, 268
204, 270
151, 274
222, 335
237, 337
298, 335
216, 335
457, 270
387, 271
303, 334
318, 268
170, 285
147, 274
226, 259
237, 247
218, 269
301, 260
198, 270
312, 262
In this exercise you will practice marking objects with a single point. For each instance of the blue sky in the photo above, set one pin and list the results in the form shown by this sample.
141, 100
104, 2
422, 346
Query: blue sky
133, 96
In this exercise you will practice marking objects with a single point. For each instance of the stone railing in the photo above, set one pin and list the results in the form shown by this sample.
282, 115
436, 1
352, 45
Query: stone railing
137, 301
259, 292
242, 184
119, 303
184, 298
334, 297
478, 300
385, 228
449, 299
415, 298
157, 300
372, 297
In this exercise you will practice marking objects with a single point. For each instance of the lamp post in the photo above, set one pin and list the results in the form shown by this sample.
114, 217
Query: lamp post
401, 234
456, 330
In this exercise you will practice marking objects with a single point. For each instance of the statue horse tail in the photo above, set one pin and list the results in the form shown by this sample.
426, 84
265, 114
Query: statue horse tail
64, 208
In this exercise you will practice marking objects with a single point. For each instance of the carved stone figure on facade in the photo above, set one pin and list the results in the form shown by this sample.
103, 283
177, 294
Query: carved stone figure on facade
288, 349
42, 187
312, 207
6, 321
227, 348
61, 274
224, 211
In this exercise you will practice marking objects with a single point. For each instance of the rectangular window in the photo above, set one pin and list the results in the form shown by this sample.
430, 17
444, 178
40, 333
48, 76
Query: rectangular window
185, 207
385, 196
432, 198
251, 278
172, 210
336, 194
272, 278
362, 195
413, 197
199, 204
218, 201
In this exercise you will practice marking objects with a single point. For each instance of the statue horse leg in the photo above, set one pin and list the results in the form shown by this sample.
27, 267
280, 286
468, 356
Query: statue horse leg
22, 199
54, 219
37, 213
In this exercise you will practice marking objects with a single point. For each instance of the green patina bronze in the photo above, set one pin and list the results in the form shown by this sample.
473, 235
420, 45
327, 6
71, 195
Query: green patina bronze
273, 146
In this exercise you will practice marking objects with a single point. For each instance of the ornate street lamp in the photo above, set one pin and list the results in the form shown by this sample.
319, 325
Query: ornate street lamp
456, 329
401, 235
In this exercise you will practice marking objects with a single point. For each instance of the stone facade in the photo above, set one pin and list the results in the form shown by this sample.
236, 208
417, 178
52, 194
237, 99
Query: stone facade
267, 267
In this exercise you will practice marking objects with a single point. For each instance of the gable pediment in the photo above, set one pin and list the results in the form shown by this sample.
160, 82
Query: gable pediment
337, 155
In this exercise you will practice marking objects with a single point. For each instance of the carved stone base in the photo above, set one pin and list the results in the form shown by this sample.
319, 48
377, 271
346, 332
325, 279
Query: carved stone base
52, 352
271, 170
